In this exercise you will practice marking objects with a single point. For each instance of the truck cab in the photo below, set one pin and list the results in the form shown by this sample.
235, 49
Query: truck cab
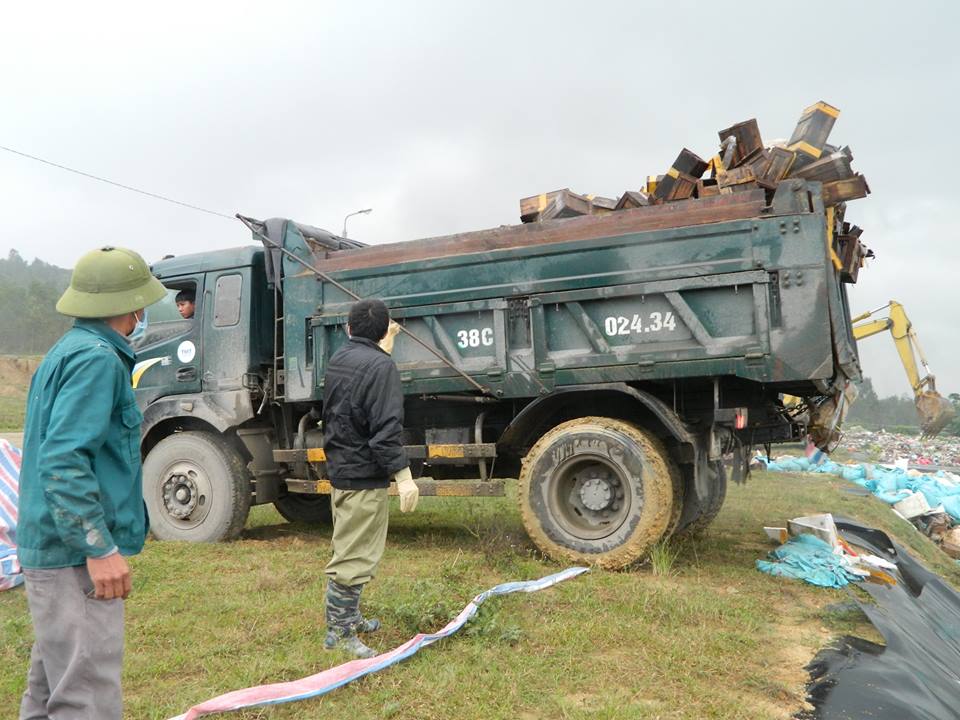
196, 381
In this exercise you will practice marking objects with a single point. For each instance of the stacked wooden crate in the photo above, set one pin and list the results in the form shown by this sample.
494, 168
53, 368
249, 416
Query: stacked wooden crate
743, 162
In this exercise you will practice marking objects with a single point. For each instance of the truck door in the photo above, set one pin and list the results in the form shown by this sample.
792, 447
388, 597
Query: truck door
168, 355
227, 330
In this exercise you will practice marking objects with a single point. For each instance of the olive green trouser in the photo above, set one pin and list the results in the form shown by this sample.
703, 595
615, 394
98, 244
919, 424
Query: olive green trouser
359, 534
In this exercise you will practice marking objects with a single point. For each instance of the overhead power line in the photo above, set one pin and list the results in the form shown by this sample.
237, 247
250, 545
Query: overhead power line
117, 184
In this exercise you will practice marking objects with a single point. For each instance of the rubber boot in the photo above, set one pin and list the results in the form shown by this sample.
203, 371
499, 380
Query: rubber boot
368, 625
347, 640
344, 620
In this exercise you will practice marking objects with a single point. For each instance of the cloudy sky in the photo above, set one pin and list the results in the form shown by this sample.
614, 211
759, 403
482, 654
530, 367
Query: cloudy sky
441, 115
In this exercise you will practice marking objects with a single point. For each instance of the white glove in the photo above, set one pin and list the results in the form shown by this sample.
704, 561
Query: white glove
407, 489
386, 344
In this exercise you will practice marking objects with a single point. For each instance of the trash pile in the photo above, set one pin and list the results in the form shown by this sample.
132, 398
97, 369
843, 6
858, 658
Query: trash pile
929, 500
887, 447
814, 552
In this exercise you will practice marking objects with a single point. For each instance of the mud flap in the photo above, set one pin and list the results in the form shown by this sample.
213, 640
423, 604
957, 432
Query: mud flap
740, 469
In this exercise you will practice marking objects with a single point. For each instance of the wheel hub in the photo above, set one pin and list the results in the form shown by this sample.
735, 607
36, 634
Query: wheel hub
180, 496
596, 493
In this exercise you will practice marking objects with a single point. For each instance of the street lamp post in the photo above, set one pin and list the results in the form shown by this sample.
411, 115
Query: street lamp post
349, 215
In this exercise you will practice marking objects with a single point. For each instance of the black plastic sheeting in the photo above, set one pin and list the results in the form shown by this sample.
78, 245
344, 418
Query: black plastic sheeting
917, 673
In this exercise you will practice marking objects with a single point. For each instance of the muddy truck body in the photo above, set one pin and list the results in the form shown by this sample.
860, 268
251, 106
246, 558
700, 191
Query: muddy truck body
611, 363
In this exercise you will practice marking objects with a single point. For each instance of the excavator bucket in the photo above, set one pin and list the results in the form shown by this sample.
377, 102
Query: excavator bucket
935, 412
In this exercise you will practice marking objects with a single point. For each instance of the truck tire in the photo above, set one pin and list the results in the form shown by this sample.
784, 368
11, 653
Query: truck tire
698, 516
309, 509
596, 490
196, 488
676, 480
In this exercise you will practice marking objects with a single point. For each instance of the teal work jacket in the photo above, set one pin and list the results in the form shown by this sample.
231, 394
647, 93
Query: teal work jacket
81, 484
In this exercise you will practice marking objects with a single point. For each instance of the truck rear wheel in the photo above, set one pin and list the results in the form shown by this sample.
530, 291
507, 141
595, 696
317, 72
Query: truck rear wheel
697, 515
309, 509
196, 488
596, 490
676, 481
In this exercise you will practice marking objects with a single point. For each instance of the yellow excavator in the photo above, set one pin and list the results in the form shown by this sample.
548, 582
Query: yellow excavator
934, 411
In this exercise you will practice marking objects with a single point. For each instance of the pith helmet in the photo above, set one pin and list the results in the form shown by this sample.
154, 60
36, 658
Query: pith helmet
109, 281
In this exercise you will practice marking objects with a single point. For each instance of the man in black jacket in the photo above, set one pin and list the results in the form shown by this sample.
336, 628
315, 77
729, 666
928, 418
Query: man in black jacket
363, 441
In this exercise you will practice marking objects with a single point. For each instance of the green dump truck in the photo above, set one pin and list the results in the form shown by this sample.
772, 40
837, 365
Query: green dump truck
611, 363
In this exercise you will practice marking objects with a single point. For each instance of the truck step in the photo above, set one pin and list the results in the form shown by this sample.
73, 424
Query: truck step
428, 487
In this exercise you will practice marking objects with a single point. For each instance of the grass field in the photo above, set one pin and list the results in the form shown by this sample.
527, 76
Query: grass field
699, 634
15, 373
11, 412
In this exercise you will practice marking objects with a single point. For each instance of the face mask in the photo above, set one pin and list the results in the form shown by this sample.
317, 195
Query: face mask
140, 329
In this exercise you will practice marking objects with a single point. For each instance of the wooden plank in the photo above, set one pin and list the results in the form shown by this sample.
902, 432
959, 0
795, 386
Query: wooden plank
736, 176
676, 185
564, 205
680, 187
851, 256
632, 199
779, 163
747, 134
531, 207
626, 222
810, 135
600, 204
843, 190
829, 168
707, 187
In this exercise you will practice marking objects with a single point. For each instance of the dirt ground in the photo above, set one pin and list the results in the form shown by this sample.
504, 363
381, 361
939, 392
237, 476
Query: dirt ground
15, 374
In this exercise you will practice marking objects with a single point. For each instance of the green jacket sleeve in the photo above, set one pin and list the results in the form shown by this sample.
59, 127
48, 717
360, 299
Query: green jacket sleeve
78, 426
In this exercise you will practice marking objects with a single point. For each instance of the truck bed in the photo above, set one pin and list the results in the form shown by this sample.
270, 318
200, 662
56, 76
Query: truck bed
723, 286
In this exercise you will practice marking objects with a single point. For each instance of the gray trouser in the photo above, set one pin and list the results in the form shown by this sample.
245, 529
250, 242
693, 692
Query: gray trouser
360, 519
77, 651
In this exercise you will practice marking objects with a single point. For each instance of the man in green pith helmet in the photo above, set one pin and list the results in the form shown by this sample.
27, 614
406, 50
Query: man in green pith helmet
81, 497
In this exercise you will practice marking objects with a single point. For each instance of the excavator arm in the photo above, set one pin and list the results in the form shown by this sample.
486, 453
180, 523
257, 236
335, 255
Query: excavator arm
934, 411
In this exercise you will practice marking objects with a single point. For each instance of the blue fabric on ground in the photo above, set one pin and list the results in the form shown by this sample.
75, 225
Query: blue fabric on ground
891, 485
851, 473
808, 558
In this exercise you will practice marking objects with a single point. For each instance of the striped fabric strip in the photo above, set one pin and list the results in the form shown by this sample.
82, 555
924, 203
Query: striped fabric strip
335, 677
10, 575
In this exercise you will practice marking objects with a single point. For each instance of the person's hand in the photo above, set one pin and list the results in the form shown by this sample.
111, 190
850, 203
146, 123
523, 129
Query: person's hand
111, 576
393, 329
407, 490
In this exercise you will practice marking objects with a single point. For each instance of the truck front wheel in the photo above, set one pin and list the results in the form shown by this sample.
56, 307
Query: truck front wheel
196, 488
597, 490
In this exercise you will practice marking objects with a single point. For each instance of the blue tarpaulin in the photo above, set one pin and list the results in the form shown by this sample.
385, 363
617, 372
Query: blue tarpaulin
889, 484
807, 557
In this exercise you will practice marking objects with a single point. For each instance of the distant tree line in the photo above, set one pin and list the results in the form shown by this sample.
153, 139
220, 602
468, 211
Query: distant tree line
29, 322
893, 413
